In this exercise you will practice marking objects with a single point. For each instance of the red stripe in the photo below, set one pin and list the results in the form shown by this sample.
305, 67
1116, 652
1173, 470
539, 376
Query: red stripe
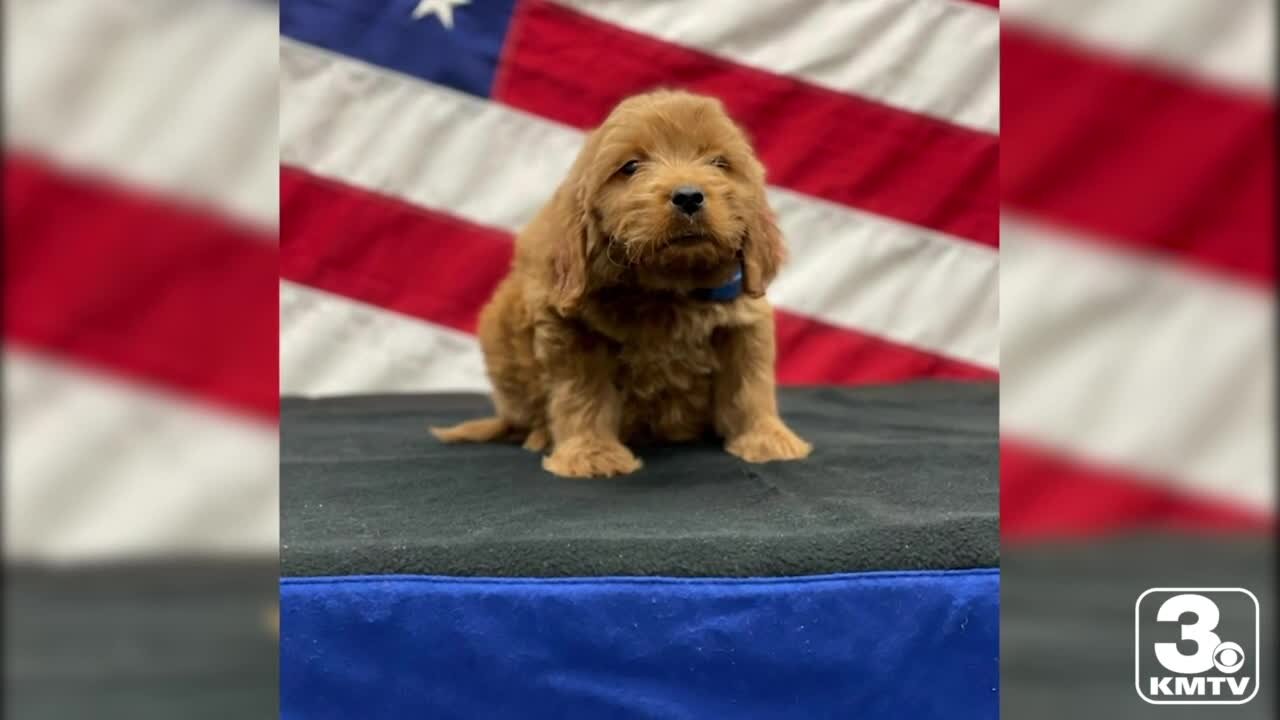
140, 286
386, 252
813, 352
839, 147
1136, 155
1044, 495
989, 3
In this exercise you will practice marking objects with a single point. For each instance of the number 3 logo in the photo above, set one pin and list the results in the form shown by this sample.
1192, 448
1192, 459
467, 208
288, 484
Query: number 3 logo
1200, 632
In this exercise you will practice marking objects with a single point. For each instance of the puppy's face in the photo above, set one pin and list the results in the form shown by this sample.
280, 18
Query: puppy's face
674, 196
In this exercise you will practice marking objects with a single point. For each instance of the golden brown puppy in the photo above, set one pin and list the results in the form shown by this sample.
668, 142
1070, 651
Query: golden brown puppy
604, 332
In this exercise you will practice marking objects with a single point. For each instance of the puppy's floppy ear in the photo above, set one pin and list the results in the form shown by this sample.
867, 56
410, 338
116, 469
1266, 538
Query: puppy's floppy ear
576, 234
762, 249
569, 255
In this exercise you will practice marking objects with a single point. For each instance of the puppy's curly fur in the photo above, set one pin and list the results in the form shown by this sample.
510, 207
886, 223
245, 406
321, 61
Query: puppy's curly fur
593, 340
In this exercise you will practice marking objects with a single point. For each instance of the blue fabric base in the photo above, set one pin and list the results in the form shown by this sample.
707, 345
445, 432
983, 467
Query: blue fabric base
872, 645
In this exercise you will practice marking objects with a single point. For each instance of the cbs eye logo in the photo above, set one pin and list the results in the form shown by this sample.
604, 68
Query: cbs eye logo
1196, 646
1228, 657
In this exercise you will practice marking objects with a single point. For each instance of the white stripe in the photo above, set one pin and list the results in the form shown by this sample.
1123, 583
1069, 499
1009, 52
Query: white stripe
331, 345
936, 57
1224, 41
889, 279
96, 468
1128, 361
170, 95
393, 134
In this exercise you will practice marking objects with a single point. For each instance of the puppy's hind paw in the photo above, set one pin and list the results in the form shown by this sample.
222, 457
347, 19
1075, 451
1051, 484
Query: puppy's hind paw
536, 441
590, 458
769, 442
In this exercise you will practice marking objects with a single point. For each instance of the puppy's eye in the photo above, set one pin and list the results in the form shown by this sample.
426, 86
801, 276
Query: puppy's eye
630, 167
720, 162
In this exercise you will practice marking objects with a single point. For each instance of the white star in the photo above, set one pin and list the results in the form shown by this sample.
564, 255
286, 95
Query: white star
442, 9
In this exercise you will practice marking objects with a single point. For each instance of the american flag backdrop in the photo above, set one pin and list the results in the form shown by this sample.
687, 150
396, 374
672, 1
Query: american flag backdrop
140, 322
1138, 266
418, 137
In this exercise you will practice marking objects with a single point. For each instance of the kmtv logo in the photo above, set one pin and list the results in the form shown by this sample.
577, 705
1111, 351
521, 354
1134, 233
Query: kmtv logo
1196, 646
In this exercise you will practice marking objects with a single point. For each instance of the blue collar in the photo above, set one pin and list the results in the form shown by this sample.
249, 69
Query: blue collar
726, 292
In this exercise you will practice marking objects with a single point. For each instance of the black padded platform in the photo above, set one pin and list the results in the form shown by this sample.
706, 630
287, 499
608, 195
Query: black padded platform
903, 477
143, 640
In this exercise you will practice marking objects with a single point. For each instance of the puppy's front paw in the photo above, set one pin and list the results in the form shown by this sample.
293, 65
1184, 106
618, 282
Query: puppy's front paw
590, 458
768, 442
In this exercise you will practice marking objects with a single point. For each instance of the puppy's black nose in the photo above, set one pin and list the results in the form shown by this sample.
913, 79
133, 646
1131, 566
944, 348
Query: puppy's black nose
688, 198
